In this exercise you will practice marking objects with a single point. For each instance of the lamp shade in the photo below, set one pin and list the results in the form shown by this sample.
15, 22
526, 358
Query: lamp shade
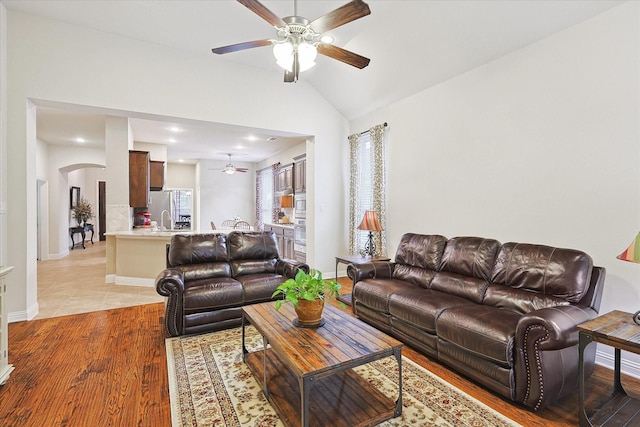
632, 253
286, 201
370, 222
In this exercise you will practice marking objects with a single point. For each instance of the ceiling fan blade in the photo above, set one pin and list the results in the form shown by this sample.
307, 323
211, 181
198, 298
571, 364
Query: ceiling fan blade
343, 55
241, 169
241, 46
261, 10
342, 15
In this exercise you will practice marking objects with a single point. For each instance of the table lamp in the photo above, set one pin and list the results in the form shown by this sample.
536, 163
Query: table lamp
370, 223
632, 254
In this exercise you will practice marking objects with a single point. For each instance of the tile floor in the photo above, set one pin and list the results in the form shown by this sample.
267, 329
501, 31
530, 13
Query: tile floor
75, 284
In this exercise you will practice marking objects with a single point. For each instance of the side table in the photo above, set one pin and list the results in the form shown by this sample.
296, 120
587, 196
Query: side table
615, 329
82, 231
357, 259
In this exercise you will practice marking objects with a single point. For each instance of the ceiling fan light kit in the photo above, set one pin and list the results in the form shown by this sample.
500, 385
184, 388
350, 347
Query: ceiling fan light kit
300, 40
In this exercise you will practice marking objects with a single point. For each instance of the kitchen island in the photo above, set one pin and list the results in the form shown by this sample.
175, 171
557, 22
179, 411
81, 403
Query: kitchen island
136, 257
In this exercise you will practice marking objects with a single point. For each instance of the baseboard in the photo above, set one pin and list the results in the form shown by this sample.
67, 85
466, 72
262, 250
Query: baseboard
58, 256
21, 316
110, 278
627, 365
134, 281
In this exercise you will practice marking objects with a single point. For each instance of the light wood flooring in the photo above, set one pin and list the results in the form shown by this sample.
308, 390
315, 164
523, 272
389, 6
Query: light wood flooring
108, 368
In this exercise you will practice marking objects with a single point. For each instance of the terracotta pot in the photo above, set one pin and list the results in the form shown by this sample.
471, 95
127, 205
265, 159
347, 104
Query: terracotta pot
309, 312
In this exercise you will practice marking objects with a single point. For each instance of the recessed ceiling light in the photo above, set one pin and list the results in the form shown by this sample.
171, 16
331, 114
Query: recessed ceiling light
252, 138
181, 160
80, 140
175, 129
172, 140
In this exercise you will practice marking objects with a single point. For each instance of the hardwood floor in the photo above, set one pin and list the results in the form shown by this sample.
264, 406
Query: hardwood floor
108, 368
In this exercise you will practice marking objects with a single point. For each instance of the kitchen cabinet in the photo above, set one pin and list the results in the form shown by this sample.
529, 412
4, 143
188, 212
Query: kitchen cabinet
139, 178
284, 178
156, 179
300, 174
285, 239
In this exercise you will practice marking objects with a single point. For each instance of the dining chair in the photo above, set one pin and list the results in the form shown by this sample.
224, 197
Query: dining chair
242, 225
213, 225
228, 223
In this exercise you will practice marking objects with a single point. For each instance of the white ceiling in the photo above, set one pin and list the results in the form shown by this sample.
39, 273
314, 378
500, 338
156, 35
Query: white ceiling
412, 45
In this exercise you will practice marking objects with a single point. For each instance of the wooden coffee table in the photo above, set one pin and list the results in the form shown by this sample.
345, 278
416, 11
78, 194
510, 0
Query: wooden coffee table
306, 373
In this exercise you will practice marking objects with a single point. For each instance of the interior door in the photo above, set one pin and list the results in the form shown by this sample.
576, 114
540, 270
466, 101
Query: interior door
102, 209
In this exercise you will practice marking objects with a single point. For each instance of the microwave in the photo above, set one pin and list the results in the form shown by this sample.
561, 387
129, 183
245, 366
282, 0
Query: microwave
300, 204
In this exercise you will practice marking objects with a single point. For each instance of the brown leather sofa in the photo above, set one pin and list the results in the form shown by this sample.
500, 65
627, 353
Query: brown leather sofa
209, 277
504, 315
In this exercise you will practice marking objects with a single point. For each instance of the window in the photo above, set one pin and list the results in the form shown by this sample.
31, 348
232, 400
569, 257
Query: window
367, 187
264, 196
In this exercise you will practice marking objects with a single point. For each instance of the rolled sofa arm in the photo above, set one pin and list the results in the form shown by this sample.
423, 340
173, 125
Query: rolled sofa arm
289, 268
546, 365
370, 270
170, 283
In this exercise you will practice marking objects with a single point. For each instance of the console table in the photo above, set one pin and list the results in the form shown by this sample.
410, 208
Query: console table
82, 231
615, 329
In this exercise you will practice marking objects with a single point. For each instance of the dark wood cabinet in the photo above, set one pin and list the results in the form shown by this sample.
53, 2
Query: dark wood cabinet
285, 239
300, 174
284, 178
156, 180
139, 177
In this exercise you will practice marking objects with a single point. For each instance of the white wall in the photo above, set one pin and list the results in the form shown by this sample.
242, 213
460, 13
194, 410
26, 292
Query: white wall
224, 196
54, 61
540, 146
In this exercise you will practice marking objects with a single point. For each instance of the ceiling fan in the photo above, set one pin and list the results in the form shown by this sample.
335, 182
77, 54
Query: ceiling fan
300, 40
230, 169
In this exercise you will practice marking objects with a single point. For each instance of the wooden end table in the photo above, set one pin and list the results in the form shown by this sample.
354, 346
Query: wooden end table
357, 259
294, 361
617, 330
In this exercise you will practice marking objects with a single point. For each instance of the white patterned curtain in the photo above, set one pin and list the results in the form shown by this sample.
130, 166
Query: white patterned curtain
367, 186
264, 197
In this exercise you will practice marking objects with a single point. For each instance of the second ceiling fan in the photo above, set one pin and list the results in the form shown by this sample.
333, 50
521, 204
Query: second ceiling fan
300, 40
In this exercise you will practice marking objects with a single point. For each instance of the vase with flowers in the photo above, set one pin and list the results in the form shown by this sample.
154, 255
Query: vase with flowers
82, 212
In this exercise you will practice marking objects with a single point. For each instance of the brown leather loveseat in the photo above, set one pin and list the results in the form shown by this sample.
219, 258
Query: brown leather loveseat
209, 277
504, 315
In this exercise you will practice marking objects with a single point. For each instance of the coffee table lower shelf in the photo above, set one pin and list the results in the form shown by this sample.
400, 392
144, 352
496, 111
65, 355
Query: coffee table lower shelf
342, 399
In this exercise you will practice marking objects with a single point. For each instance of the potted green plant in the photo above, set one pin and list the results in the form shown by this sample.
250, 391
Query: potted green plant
82, 211
307, 293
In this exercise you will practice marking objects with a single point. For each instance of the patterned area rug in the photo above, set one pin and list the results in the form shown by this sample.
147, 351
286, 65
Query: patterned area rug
209, 385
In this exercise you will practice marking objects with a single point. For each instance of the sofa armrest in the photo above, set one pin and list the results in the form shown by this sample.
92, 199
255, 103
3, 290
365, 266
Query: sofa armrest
546, 365
170, 283
289, 268
370, 270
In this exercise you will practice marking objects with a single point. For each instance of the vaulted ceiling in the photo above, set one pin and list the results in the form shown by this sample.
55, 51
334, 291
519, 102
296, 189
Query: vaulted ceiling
413, 45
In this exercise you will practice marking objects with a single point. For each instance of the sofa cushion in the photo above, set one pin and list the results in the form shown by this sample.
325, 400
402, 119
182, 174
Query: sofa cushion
421, 307
375, 293
418, 257
212, 294
260, 287
197, 249
519, 300
205, 270
257, 245
470, 256
563, 273
480, 329
241, 268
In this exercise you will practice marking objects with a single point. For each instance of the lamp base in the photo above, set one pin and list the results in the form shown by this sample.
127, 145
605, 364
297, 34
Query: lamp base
636, 317
370, 247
